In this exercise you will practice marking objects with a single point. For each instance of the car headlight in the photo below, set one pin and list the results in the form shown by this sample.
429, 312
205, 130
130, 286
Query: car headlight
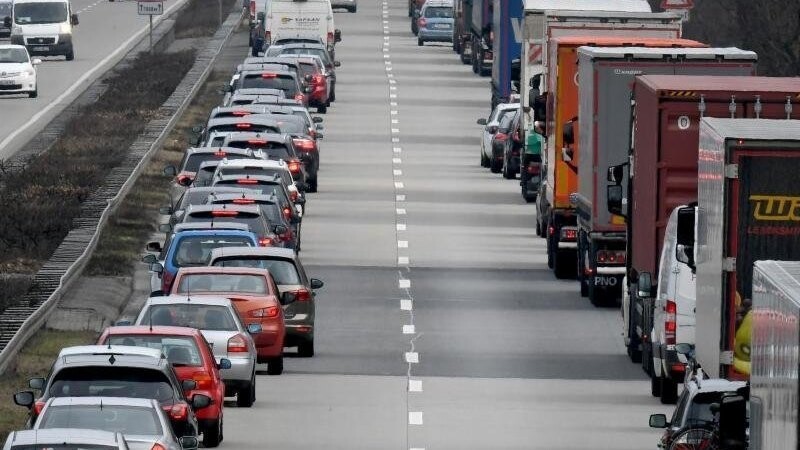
65, 28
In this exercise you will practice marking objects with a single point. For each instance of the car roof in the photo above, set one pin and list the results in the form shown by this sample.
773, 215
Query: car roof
275, 178
268, 163
154, 330
716, 385
109, 350
210, 232
244, 135
200, 300
216, 149
65, 436
260, 91
253, 251
258, 119
285, 73
304, 45
217, 189
223, 270
252, 108
254, 196
105, 401
237, 208
217, 225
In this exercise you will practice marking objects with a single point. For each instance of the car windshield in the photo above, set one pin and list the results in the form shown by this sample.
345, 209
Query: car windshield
13, 55
119, 381
204, 175
283, 82
36, 13
439, 12
181, 351
282, 271
117, 418
195, 250
192, 315
222, 282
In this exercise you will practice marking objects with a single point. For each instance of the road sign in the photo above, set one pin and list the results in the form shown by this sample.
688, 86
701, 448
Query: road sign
677, 4
150, 8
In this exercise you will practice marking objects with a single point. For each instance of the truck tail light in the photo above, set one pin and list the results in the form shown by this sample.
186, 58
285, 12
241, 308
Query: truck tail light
203, 380
237, 344
569, 234
611, 257
422, 22
670, 322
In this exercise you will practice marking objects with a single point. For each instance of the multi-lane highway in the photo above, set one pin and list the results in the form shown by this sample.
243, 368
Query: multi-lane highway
407, 229
107, 31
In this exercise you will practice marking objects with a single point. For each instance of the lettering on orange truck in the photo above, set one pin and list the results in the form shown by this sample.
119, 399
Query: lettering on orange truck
776, 208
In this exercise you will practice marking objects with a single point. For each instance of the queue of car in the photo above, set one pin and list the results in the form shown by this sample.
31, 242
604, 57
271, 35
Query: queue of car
229, 294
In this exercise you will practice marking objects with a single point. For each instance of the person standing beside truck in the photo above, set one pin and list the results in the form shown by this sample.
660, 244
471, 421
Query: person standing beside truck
44, 27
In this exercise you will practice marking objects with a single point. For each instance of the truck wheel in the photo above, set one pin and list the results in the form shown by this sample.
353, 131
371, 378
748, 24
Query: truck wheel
563, 267
275, 366
508, 174
420, 42
655, 386
70, 55
550, 250
669, 390
495, 166
484, 160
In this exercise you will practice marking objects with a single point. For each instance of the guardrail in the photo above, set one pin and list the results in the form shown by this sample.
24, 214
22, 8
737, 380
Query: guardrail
19, 323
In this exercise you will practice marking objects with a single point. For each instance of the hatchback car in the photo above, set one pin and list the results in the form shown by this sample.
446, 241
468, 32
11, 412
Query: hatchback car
256, 298
191, 358
117, 371
266, 185
499, 142
216, 129
297, 289
194, 196
70, 438
18, 71
312, 71
435, 22
284, 80
143, 423
249, 215
319, 50
271, 206
490, 127
219, 322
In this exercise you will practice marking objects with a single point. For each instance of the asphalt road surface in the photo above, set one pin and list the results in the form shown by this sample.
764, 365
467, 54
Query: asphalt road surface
107, 30
507, 357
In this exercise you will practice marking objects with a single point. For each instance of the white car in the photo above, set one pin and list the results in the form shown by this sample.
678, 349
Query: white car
490, 128
17, 71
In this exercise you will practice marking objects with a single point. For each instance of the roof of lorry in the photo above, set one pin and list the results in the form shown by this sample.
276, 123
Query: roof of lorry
659, 53
755, 129
625, 41
720, 83
589, 5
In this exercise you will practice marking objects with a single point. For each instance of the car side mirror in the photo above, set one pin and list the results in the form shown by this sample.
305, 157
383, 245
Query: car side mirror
165, 228
316, 284
337, 63
224, 364
254, 328
189, 443
481, 122
288, 298
7, 22
149, 259
157, 268
684, 248
279, 229
36, 61
152, 247
165, 210
658, 421
36, 383
188, 385
615, 201
199, 401
170, 171
24, 398
337, 35
73, 19
644, 285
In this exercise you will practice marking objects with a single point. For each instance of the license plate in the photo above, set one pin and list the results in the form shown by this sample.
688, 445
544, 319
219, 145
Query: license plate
441, 25
6, 82
41, 49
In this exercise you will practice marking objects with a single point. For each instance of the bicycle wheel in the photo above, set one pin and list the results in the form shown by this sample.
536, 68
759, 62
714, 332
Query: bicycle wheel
694, 439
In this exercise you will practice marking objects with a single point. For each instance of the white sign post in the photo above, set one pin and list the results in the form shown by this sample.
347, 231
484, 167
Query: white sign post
150, 8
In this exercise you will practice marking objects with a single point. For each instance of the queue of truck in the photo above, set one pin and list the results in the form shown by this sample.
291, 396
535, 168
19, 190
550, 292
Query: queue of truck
663, 170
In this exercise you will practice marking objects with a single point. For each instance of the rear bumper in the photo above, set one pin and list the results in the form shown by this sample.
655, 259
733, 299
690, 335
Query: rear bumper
241, 369
298, 333
444, 35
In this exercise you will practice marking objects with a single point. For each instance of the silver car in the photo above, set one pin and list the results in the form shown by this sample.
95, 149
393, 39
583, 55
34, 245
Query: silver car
65, 439
141, 421
490, 128
217, 319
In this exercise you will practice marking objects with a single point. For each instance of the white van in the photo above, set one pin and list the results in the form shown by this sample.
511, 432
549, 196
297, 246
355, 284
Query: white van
673, 315
44, 27
292, 19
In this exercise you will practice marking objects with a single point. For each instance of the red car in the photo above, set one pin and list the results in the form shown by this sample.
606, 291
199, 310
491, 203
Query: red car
256, 298
191, 358
313, 71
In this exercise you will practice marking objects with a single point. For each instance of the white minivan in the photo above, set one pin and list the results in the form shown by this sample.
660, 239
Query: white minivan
44, 27
293, 19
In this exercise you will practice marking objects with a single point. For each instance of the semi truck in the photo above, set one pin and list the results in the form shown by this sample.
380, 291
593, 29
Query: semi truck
481, 36
507, 44
462, 37
665, 132
775, 355
748, 210
556, 216
604, 137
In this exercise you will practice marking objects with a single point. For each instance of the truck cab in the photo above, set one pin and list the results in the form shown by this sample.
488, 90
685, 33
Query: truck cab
44, 27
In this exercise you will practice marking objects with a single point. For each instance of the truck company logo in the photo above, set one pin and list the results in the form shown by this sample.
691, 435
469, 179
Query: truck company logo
628, 72
285, 20
776, 208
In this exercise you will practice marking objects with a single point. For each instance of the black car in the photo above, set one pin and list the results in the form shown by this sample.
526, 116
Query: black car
250, 215
499, 142
270, 205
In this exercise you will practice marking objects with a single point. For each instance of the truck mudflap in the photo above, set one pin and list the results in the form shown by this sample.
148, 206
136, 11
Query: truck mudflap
562, 244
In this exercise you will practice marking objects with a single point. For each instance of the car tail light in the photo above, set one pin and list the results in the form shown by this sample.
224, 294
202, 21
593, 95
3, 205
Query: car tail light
157, 446
246, 181
256, 141
294, 195
241, 113
243, 201
302, 295
569, 234
501, 137
179, 411
270, 312
534, 169
243, 126
312, 132
220, 154
38, 407
318, 79
422, 22
611, 257
269, 75
330, 38
166, 281
265, 242
294, 166
203, 380
670, 322
237, 344
183, 180
287, 212
300, 97
224, 213
304, 144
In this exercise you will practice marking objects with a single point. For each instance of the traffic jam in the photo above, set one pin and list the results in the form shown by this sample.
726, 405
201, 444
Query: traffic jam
659, 171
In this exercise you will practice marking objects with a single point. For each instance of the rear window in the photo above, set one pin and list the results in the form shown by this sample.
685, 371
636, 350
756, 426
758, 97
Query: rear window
244, 171
283, 82
253, 221
282, 271
202, 317
180, 351
195, 250
292, 127
192, 162
218, 282
115, 418
275, 150
308, 69
99, 381
244, 126
439, 12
